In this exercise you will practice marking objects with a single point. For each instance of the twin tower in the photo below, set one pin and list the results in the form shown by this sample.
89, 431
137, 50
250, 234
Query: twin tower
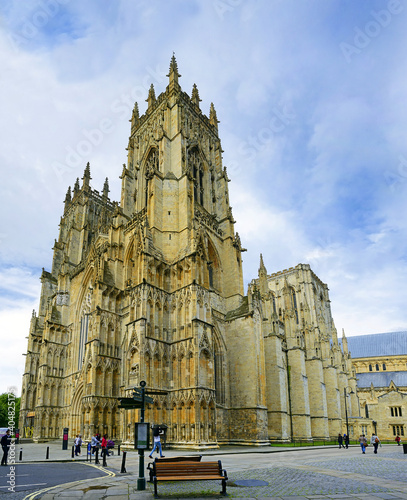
151, 289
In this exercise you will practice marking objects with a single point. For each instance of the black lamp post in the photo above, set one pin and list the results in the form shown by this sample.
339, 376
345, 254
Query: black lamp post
346, 407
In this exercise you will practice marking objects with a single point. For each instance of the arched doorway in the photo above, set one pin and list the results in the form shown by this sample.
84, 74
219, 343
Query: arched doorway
77, 412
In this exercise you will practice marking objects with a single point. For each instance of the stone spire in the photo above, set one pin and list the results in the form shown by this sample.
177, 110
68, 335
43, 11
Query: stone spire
151, 97
344, 342
263, 285
76, 187
86, 176
212, 116
135, 116
106, 189
262, 268
195, 96
173, 74
68, 198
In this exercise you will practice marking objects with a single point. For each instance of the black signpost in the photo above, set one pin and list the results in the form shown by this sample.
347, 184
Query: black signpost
138, 401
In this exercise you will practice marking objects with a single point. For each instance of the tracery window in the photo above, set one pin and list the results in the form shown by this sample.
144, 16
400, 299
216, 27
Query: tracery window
294, 304
197, 174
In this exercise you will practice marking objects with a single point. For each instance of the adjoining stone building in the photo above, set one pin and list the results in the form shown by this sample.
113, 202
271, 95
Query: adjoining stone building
151, 289
380, 363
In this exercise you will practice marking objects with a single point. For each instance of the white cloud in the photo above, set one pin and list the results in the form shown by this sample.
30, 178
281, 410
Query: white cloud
328, 188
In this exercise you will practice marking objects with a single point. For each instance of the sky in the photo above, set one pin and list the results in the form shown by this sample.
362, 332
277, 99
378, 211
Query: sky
311, 99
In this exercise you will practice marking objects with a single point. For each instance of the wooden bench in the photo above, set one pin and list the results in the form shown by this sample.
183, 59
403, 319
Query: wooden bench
182, 458
188, 471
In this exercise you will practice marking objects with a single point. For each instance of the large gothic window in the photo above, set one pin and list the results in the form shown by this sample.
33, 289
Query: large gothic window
197, 168
294, 304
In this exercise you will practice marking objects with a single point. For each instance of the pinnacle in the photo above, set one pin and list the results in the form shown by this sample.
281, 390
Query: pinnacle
195, 95
173, 73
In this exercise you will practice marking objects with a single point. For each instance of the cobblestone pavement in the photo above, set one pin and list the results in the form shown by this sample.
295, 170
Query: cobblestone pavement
300, 474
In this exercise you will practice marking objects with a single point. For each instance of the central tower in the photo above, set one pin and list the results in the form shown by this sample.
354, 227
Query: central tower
182, 261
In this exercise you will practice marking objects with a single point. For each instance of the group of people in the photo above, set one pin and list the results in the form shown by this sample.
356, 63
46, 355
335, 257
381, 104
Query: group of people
97, 442
343, 441
374, 440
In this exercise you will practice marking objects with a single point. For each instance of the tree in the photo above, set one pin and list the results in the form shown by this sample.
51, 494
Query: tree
9, 410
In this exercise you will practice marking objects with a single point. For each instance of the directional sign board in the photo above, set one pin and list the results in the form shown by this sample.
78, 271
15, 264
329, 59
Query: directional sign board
129, 403
147, 399
134, 402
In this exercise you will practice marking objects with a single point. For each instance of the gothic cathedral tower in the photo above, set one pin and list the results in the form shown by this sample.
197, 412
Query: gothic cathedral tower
182, 263
152, 289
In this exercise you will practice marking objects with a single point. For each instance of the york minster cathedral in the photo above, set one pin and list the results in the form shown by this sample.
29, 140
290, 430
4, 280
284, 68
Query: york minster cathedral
151, 288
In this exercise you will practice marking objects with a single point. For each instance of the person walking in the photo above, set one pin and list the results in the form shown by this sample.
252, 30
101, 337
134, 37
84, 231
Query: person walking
5, 444
94, 443
375, 441
398, 439
78, 444
157, 442
363, 442
340, 441
346, 440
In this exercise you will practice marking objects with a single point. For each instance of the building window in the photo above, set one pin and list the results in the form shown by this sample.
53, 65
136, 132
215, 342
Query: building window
366, 411
384, 366
395, 411
398, 430
377, 367
294, 304
370, 368
364, 430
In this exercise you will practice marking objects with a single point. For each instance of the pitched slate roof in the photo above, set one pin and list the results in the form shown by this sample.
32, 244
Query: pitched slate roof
381, 379
378, 344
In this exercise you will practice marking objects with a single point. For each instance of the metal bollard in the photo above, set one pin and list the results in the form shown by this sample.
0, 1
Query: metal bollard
123, 470
47, 454
21, 454
97, 456
73, 451
118, 450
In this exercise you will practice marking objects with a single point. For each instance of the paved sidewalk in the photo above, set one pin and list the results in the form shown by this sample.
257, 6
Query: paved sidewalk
279, 473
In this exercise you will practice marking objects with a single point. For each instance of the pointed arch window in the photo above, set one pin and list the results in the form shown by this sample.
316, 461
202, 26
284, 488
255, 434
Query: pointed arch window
197, 174
294, 304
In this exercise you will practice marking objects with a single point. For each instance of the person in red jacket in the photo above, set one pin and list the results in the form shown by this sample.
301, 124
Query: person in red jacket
398, 439
104, 445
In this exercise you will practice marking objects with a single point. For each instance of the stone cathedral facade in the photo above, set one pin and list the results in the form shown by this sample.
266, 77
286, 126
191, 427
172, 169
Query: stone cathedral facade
151, 289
